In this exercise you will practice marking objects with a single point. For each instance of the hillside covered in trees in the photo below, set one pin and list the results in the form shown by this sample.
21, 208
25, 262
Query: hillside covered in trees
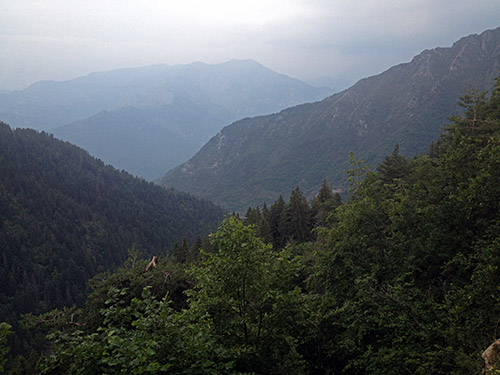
401, 279
65, 216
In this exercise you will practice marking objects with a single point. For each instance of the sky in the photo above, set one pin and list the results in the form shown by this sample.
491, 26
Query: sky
345, 40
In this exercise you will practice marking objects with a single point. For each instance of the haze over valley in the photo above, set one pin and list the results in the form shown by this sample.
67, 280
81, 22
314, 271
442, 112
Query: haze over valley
149, 120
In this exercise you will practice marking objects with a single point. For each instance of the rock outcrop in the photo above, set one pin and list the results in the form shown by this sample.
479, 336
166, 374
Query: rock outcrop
491, 357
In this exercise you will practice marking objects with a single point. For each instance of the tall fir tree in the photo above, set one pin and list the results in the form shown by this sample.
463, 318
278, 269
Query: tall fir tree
324, 204
276, 223
297, 218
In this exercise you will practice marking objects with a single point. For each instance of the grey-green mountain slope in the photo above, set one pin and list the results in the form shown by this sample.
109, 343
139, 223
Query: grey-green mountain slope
254, 160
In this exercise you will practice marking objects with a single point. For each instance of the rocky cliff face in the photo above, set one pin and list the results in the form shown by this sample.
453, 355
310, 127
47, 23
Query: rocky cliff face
254, 160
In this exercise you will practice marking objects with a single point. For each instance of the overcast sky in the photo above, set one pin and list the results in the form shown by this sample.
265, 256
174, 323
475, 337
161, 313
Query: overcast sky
343, 39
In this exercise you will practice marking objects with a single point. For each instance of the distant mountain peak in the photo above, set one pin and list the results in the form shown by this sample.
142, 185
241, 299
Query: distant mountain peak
157, 116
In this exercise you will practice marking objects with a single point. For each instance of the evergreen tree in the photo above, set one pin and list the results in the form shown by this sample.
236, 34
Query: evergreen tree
4, 349
252, 216
297, 219
394, 166
324, 204
194, 250
276, 223
264, 226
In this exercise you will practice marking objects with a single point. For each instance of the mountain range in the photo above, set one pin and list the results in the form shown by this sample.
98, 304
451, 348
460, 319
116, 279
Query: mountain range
148, 120
255, 160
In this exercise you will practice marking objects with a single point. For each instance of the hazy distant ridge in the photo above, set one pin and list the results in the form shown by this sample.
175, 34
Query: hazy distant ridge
148, 120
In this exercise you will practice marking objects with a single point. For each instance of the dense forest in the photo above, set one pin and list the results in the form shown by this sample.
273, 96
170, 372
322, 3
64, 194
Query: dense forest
401, 279
65, 217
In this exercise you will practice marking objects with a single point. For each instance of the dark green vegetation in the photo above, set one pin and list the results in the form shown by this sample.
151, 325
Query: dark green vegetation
149, 120
294, 221
4, 348
402, 279
65, 216
254, 160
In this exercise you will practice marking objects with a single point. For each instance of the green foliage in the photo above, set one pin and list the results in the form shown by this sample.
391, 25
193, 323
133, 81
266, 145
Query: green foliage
410, 268
144, 336
247, 291
4, 349
167, 278
245, 314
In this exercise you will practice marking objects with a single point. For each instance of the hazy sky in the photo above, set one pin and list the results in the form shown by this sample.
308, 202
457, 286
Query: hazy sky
343, 39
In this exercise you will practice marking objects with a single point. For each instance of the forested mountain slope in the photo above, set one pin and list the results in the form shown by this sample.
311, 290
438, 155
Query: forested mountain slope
150, 119
65, 216
254, 160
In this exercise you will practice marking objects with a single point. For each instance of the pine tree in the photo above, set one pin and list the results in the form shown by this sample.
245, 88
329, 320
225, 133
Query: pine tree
181, 251
324, 204
275, 223
252, 216
194, 250
264, 227
297, 219
394, 166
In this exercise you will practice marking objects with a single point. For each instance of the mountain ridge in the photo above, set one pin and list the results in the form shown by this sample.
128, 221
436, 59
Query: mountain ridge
181, 106
131, 82
407, 104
